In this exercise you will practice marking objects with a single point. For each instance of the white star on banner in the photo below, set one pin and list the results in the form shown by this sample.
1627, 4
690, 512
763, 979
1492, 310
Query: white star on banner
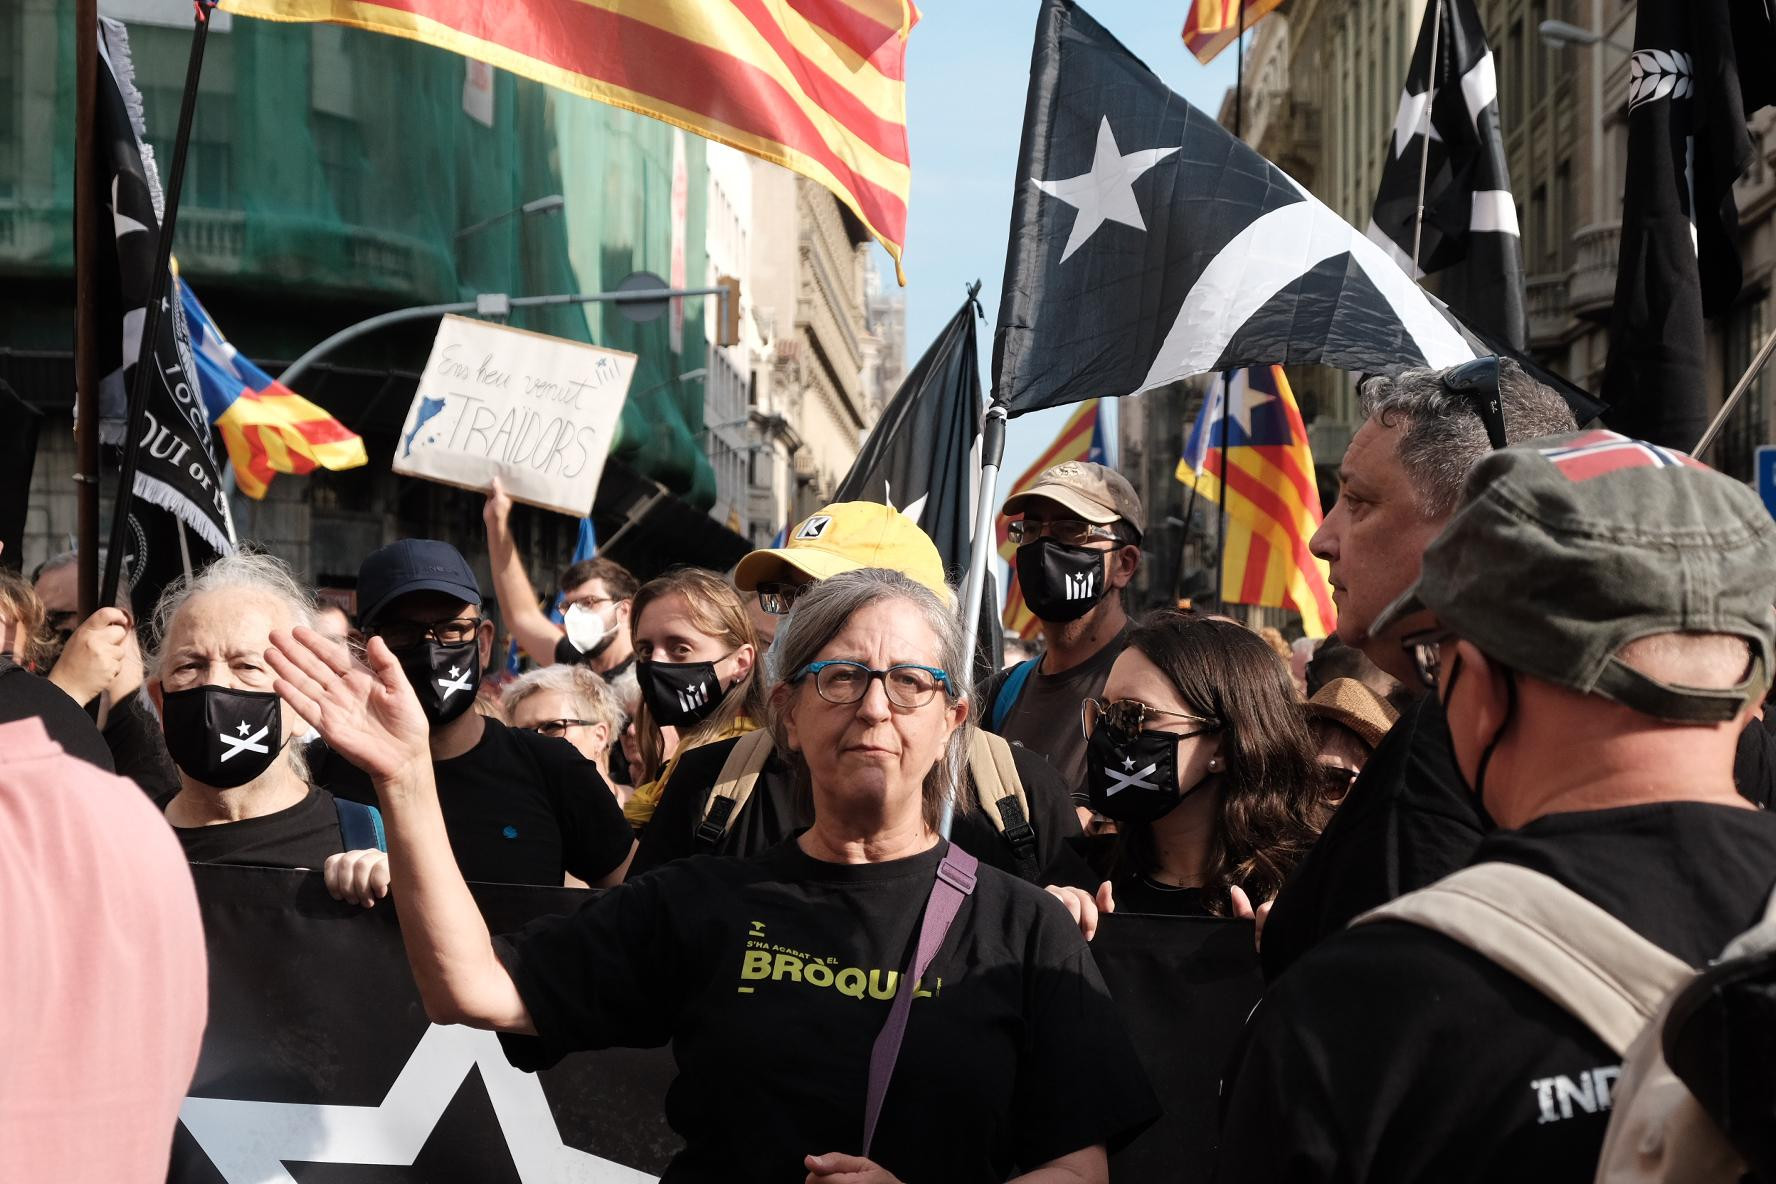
1410, 120
1107, 192
914, 509
249, 1142
1245, 401
243, 727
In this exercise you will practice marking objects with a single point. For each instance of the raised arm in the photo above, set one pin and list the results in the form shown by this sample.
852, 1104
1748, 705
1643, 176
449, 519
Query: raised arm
511, 583
370, 716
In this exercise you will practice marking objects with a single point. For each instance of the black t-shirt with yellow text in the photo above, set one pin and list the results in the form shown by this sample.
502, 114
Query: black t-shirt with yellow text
771, 976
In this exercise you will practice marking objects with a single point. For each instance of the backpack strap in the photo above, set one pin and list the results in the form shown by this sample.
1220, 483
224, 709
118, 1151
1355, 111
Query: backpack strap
1000, 792
739, 774
360, 826
1575, 953
1009, 692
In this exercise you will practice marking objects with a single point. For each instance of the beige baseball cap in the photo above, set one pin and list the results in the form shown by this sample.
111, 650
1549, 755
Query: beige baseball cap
1095, 493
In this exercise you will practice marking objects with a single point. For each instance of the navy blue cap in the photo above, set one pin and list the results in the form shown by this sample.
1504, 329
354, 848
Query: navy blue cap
413, 565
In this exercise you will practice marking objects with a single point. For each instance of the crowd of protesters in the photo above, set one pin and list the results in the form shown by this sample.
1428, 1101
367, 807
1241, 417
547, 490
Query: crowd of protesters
1536, 742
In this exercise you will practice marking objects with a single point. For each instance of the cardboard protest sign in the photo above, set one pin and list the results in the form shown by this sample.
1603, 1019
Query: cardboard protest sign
537, 412
319, 1065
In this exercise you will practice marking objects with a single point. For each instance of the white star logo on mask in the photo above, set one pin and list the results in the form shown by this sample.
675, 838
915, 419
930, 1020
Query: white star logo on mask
1128, 762
458, 681
243, 728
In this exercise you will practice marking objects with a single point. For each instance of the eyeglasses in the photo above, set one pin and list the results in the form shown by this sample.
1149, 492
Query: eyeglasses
1073, 532
587, 602
840, 680
559, 727
1478, 383
1426, 650
777, 597
401, 634
1127, 715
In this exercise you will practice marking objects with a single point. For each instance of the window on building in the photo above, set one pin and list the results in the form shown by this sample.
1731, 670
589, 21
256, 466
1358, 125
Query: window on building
1749, 425
160, 57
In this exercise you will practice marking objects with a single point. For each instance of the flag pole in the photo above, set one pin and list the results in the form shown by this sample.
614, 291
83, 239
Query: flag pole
86, 337
1239, 120
157, 297
974, 587
1424, 148
1739, 389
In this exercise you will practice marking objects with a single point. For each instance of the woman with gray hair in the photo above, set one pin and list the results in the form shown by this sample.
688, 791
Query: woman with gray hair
784, 981
572, 703
244, 792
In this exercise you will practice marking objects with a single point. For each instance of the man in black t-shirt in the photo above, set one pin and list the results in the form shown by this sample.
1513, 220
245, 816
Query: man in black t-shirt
520, 808
1079, 545
1395, 1052
1406, 820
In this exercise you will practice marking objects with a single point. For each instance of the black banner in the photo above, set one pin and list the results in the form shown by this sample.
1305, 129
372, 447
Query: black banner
1185, 986
320, 1067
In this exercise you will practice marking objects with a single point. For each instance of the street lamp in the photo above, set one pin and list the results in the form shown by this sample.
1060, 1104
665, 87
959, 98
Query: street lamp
539, 205
1561, 35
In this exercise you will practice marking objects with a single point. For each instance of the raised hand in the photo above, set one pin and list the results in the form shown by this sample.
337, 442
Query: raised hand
93, 655
497, 509
366, 713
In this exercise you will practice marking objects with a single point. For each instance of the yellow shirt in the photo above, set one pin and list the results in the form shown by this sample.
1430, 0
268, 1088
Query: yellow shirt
641, 804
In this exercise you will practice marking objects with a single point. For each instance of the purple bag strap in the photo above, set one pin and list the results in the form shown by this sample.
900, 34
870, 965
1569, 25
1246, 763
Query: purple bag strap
955, 880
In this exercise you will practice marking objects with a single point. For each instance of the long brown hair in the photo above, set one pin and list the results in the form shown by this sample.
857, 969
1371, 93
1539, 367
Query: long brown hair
717, 611
1271, 807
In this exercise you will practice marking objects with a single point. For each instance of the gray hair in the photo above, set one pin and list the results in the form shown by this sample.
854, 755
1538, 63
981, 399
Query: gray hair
1442, 436
819, 616
592, 696
252, 571
63, 559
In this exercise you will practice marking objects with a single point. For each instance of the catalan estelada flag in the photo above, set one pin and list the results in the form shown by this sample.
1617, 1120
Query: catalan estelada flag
1273, 505
266, 427
818, 86
1212, 24
1081, 438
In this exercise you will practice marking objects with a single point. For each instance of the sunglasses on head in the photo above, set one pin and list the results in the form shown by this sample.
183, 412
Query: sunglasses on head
1477, 382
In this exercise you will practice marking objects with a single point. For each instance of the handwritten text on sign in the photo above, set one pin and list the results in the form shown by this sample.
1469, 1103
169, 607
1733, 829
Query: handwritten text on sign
537, 412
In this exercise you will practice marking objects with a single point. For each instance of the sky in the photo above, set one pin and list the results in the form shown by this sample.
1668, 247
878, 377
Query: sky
968, 68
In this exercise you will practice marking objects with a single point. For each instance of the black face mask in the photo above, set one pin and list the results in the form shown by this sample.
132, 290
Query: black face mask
1479, 786
1060, 582
679, 693
1133, 778
444, 677
222, 737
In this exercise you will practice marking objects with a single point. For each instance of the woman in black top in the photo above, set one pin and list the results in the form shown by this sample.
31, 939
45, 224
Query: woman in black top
1199, 752
772, 975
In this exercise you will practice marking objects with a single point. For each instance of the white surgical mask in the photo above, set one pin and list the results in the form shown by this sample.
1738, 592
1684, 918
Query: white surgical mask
586, 630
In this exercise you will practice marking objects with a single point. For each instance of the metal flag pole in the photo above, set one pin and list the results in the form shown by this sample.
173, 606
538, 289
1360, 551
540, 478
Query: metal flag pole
1239, 120
1424, 131
86, 326
974, 586
157, 297
1739, 389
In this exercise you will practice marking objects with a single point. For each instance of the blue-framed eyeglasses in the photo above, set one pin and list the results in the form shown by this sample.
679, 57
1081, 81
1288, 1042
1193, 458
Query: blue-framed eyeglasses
841, 680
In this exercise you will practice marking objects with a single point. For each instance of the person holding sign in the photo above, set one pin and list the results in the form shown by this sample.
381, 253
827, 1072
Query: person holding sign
1199, 752
522, 808
782, 980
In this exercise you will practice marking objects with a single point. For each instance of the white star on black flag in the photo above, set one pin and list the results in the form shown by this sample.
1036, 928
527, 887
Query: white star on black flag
1147, 245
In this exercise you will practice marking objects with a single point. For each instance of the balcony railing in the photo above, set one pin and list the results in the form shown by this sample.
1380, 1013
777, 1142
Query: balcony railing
1593, 287
1545, 296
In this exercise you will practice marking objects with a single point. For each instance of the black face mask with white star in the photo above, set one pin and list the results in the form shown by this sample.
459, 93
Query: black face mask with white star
1133, 777
221, 737
445, 677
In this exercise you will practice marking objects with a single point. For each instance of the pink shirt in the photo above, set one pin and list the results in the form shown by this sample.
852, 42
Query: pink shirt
103, 981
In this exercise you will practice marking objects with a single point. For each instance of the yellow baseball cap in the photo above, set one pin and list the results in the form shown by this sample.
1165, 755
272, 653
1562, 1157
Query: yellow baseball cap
844, 537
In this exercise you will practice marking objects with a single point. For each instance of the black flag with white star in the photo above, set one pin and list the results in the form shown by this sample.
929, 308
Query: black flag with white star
1687, 105
178, 482
1469, 234
1148, 244
318, 1064
923, 456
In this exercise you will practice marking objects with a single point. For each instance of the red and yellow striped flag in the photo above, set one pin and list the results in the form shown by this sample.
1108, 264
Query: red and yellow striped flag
1080, 439
818, 86
1273, 504
1213, 24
